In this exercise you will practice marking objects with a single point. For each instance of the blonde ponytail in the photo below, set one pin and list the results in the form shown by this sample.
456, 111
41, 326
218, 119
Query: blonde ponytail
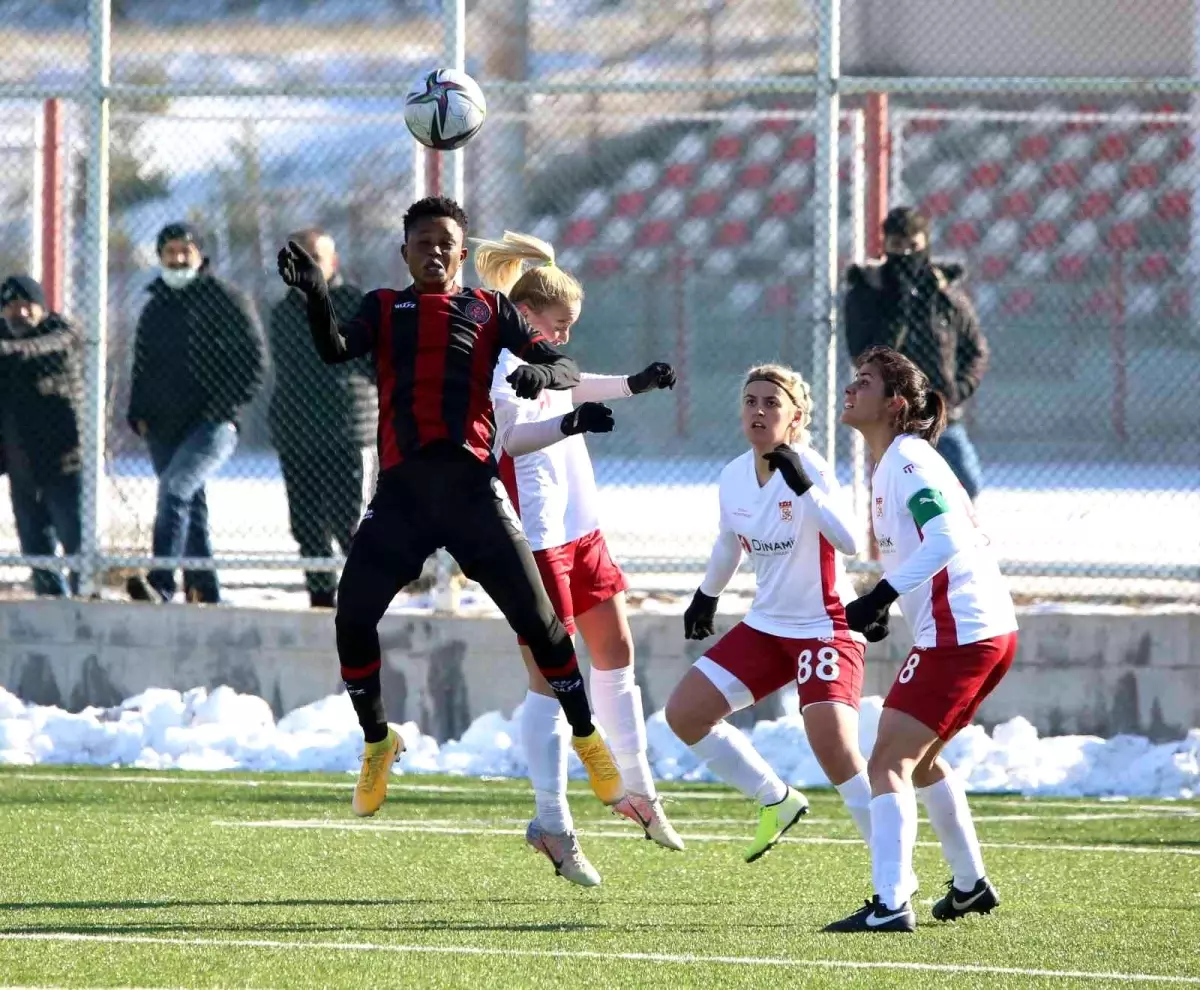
500, 265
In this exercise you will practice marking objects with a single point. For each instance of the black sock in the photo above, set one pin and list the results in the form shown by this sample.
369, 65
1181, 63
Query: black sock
367, 697
572, 695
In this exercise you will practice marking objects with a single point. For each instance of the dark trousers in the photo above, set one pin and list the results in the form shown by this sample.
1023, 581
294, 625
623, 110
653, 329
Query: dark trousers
325, 501
956, 447
47, 514
443, 497
181, 516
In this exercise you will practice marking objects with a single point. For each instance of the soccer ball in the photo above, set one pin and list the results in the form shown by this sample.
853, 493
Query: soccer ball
445, 109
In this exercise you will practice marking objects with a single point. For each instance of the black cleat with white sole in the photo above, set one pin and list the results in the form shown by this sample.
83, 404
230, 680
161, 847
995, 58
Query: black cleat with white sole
875, 916
980, 899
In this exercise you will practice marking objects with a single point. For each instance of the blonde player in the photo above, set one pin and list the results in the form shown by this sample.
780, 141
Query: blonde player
545, 467
941, 569
781, 506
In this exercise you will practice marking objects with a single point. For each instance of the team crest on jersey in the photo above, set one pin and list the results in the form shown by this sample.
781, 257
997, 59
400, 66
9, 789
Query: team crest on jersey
477, 312
785, 511
879, 507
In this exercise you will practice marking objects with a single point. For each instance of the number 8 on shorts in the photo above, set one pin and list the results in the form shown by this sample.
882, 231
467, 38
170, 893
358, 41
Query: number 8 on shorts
827, 665
829, 672
909, 668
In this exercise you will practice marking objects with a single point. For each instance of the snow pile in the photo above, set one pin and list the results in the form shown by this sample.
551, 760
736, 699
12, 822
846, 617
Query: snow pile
224, 730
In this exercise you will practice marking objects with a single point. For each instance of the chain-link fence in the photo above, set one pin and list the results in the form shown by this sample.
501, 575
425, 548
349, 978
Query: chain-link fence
675, 154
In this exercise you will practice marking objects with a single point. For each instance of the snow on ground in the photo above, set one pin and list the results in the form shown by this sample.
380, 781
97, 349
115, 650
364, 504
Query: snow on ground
656, 511
224, 730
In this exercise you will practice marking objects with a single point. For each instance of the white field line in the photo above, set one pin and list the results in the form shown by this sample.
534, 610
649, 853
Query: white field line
1183, 808
650, 957
594, 833
732, 823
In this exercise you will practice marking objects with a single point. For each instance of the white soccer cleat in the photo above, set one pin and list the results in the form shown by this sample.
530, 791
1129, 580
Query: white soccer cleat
649, 814
562, 849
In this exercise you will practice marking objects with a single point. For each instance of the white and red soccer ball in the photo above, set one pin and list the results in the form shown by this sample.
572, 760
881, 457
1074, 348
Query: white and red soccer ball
445, 109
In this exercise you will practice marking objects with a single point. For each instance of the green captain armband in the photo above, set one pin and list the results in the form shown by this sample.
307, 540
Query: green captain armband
926, 504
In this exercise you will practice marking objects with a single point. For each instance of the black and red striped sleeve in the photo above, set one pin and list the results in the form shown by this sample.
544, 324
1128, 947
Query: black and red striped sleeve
337, 343
530, 346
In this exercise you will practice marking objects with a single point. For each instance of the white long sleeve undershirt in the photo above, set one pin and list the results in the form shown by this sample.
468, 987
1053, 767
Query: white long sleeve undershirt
942, 538
722, 563
600, 388
525, 438
835, 518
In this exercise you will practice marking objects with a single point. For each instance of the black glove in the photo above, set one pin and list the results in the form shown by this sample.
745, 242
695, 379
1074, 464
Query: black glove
588, 417
529, 380
787, 462
871, 608
698, 619
878, 630
298, 269
657, 375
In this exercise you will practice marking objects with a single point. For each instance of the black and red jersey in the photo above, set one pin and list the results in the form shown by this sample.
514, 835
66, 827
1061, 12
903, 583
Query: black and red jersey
434, 360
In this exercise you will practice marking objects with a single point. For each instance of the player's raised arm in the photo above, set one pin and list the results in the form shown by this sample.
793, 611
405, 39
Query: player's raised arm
604, 388
519, 426
809, 477
334, 343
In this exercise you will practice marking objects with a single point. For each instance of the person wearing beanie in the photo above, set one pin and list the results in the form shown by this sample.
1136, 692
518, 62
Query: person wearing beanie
199, 359
40, 397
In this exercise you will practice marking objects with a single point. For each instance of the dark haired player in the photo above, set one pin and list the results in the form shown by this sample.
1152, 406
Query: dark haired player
435, 347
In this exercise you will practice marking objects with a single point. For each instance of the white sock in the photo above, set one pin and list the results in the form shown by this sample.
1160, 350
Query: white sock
856, 793
545, 736
893, 835
946, 803
729, 755
617, 703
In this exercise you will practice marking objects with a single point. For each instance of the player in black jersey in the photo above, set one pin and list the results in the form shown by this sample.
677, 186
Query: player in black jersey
435, 347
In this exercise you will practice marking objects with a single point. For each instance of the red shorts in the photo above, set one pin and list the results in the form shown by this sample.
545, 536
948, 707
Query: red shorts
746, 665
943, 687
578, 576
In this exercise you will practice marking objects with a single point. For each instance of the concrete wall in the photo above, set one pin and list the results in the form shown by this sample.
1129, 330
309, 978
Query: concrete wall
1100, 671
1017, 37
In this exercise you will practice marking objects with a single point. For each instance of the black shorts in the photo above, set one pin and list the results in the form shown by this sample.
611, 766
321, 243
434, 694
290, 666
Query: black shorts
446, 497
442, 497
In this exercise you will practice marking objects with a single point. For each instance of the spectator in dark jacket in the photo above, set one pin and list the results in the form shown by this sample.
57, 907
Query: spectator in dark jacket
198, 361
912, 305
323, 419
40, 395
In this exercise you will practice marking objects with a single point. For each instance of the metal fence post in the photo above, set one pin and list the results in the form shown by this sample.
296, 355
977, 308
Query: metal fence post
860, 217
95, 294
825, 240
455, 13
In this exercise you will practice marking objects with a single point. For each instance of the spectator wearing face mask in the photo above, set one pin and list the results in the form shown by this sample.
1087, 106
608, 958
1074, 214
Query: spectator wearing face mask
199, 359
40, 393
908, 303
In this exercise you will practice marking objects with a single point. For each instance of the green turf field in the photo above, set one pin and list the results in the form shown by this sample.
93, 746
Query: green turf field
123, 878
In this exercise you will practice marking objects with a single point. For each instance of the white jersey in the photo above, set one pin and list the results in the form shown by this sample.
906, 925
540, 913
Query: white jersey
914, 494
793, 542
554, 488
